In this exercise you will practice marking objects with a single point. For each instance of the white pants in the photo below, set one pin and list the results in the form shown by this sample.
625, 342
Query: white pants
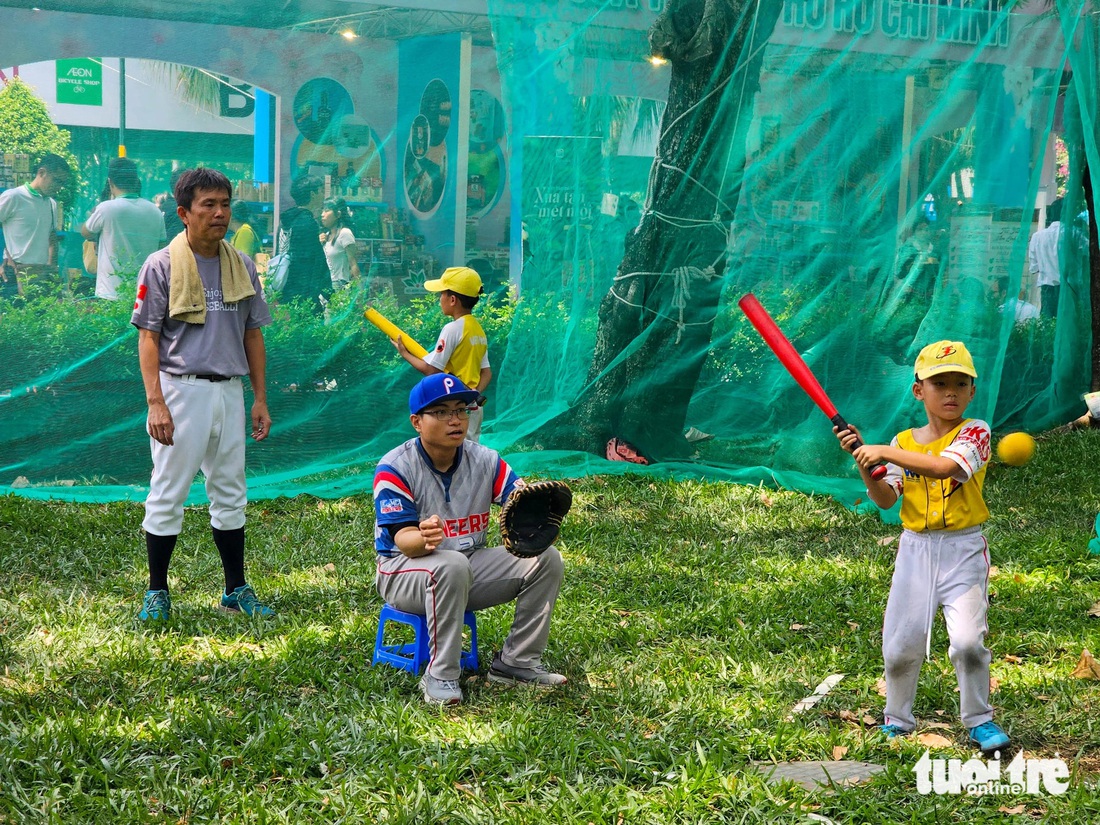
444, 584
474, 431
106, 286
948, 568
209, 435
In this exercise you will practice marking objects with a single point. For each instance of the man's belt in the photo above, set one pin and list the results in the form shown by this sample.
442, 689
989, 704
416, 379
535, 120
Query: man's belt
206, 377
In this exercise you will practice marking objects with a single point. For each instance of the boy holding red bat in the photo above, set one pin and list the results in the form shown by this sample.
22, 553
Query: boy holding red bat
943, 560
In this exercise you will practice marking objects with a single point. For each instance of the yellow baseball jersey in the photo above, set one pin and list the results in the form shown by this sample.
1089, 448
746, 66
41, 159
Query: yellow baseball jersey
462, 350
950, 503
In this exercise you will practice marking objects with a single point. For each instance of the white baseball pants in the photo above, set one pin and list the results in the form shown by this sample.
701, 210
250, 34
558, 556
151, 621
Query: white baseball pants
209, 435
948, 568
474, 431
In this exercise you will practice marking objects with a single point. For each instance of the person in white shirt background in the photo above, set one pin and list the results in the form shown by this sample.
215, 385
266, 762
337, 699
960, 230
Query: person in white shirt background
30, 222
128, 229
1043, 260
1023, 310
339, 242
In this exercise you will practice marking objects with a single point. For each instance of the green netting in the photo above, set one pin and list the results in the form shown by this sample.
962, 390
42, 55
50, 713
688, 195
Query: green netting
873, 170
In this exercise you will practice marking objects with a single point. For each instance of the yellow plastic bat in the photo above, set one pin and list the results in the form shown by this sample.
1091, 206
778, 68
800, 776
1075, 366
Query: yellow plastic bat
392, 332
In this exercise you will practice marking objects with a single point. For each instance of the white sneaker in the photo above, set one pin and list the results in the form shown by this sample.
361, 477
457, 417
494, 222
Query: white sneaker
440, 691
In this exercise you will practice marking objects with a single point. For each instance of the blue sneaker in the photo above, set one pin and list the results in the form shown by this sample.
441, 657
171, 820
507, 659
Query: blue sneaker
892, 731
989, 737
156, 606
243, 600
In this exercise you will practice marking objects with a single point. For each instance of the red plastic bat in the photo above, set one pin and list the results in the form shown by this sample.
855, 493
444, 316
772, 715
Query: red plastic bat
792, 361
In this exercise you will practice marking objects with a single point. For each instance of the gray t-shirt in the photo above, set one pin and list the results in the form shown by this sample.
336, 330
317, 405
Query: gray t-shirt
216, 347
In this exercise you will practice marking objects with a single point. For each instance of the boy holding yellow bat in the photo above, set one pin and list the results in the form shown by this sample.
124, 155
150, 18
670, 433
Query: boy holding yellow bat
462, 348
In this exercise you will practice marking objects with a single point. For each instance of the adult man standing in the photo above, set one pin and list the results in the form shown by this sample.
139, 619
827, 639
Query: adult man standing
29, 216
1043, 260
199, 311
431, 505
127, 227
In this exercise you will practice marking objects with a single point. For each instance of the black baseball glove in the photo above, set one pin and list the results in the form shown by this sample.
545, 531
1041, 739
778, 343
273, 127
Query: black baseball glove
531, 518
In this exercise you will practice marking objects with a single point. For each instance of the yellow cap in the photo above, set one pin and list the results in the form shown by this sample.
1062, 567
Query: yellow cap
944, 356
460, 279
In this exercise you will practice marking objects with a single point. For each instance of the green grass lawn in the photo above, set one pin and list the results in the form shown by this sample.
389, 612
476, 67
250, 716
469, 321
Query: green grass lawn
694, 616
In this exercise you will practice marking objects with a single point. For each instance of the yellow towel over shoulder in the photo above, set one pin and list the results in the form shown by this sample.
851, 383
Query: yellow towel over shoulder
186, 297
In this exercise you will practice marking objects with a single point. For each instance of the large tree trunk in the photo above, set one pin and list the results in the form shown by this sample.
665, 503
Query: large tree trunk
1094, 274
661, 309
1076, 123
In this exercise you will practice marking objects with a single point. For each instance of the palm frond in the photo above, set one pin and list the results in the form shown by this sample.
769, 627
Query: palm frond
194, 85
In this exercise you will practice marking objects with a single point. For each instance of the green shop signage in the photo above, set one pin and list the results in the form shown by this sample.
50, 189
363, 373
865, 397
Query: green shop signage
80, 81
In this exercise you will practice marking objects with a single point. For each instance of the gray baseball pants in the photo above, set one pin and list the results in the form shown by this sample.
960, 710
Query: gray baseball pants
444, 584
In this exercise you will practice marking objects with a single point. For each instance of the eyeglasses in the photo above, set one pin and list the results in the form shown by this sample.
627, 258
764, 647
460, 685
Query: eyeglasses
447, 415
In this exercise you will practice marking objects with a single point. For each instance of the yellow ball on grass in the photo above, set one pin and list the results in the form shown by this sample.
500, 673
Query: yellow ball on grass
1016, 449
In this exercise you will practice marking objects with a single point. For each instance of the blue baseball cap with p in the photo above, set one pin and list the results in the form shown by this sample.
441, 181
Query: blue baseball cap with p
439, 387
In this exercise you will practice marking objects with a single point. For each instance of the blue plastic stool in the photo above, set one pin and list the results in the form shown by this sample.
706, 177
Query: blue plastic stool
414, 655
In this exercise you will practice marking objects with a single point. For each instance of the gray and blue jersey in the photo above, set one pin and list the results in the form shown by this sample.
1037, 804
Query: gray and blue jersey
408, 489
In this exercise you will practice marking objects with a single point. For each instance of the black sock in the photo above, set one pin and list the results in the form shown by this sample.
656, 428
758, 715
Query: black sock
231, 547
159, 549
